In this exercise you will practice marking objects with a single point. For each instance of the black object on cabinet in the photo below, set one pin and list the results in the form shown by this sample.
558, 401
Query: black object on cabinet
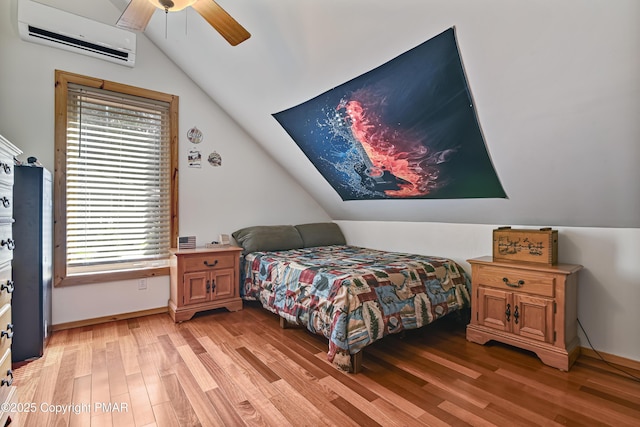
32, 261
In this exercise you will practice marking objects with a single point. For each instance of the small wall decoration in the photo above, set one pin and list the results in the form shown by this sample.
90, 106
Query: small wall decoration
194, 135
215, 159
404, 130
194, 158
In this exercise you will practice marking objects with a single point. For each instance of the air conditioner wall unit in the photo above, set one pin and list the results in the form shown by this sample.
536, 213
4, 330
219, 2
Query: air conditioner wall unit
39, 23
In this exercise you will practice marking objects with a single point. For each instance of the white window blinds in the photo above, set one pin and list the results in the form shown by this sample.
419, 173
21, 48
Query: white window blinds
117, 180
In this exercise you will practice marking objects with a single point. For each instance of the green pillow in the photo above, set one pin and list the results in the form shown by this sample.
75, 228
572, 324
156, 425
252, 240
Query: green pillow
268, 238
321, 234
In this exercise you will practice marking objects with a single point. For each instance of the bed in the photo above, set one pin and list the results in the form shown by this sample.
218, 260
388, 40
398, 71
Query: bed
353, 296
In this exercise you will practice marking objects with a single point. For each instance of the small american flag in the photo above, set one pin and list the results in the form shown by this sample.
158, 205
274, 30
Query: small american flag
187, 242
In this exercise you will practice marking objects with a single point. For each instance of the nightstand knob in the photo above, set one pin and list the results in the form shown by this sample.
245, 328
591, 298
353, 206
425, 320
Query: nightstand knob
508, 312
211, 265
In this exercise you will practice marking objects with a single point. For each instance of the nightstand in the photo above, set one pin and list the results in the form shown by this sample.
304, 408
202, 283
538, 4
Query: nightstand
204, 279
527, 305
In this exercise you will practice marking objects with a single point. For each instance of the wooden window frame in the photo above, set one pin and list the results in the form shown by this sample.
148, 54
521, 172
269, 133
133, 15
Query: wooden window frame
62, 80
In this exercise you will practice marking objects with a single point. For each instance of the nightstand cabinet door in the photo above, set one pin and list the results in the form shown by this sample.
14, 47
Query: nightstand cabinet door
533, 317
197, 287
527, 305
492, 309
223, 284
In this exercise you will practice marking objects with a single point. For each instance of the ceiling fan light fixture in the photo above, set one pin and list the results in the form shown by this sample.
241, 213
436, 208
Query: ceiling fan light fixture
172, 5
138, 13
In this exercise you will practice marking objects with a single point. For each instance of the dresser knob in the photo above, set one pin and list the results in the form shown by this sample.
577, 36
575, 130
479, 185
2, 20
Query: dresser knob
9, 243
209, 264
6, 167
5, 202
9, 381
9, 287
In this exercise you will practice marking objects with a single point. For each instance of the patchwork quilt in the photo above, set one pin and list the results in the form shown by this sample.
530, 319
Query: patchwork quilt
354, 296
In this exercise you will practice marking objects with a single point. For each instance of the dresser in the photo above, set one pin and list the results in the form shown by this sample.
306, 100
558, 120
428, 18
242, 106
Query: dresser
527, 305
7, 391
204, 279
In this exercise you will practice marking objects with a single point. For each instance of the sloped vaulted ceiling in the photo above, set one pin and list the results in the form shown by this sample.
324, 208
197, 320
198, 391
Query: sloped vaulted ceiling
555, 86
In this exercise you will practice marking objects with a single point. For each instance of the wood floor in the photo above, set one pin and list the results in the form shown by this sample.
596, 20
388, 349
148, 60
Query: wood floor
234, 369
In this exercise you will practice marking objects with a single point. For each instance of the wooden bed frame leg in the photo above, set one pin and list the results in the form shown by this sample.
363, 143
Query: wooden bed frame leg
283, 323
356, 363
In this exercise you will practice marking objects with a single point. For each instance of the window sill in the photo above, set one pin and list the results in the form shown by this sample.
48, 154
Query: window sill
110, 276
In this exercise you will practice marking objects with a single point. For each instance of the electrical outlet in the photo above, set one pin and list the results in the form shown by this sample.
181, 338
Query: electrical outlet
142, 284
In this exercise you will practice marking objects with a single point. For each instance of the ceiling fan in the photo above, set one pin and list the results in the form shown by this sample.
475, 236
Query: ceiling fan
138, 13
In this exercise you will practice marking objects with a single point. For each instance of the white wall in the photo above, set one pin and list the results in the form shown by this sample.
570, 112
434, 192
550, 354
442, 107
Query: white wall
212, 200
609, 284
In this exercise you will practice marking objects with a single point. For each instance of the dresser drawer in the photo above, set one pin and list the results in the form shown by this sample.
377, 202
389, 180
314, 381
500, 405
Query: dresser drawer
6, 329
512, 278
7, 391
6, 200
6, 242
6, 171
6, 374
6, 285
209, 261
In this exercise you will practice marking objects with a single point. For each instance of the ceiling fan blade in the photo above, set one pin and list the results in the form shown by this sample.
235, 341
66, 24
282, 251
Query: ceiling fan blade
137, 15
219, 19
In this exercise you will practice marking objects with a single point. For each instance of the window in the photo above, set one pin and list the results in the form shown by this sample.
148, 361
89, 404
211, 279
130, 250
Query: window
115, 180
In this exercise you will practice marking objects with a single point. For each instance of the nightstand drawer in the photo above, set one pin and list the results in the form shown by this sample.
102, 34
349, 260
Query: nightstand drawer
512, 279
209, 261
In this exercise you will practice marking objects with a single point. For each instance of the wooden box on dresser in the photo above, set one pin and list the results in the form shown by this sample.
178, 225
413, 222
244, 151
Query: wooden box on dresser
203, 279
527, 305
7, 391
